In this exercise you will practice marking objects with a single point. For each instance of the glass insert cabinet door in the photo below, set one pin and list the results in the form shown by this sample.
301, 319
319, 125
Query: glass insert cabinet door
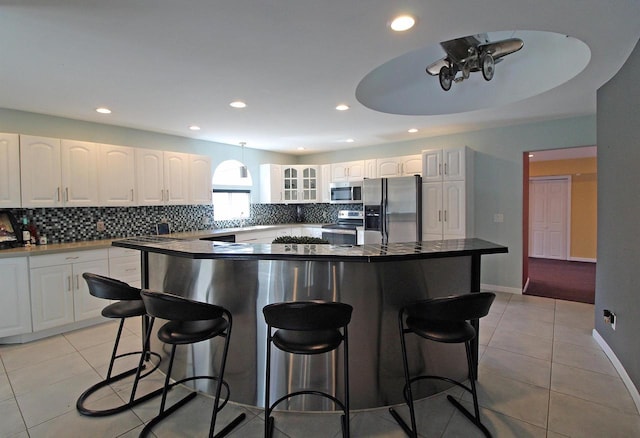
309, 184
290, 183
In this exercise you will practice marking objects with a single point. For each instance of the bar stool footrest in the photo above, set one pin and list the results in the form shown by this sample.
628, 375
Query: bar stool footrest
470, 416
401, 423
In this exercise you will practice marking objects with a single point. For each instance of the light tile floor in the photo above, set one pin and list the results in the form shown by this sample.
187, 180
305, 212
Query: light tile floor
541, 374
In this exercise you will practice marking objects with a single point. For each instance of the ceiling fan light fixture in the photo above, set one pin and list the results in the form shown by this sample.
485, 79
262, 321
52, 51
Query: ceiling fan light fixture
402, 23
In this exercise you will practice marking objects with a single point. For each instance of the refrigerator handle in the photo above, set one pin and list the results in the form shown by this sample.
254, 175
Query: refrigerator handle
385, 200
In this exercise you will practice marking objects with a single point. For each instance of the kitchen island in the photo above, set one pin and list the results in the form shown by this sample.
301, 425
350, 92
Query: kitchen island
376, 279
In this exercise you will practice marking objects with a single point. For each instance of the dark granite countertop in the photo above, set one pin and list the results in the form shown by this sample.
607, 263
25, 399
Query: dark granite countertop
200, 249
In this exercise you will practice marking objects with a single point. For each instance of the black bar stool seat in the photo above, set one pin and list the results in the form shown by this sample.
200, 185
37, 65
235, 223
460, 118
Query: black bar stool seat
189, 322
307, 328
443, 320
128, 305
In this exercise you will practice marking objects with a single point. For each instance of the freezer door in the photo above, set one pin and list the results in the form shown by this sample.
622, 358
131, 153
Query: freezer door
372, 191
403, 209
373, 210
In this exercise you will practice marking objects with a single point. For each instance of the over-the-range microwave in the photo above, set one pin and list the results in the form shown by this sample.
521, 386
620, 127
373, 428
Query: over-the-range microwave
346, 192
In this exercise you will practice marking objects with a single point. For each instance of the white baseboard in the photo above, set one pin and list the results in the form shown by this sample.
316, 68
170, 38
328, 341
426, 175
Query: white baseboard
496, 288
582, 259
633, 391
526, 285
34, 336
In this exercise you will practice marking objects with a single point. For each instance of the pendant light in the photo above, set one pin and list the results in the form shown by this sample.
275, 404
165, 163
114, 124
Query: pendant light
243, 169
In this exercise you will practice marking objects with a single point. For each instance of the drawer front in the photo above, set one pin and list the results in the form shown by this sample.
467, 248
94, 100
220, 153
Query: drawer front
65, 258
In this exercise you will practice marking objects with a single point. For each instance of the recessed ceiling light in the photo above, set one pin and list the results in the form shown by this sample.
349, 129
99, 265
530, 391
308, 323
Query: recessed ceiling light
103, 110
530, 155
342, 107
194, 128
349, 140
412, 130
238, 104
300, 148
402, 23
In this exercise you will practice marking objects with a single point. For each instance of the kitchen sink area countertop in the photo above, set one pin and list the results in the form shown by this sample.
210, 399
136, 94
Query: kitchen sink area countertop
54, 248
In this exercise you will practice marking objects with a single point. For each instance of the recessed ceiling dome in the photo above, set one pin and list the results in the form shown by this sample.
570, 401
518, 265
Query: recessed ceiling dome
401, 86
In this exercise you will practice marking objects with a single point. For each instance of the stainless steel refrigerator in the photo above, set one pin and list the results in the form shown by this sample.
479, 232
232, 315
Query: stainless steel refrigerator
392, 209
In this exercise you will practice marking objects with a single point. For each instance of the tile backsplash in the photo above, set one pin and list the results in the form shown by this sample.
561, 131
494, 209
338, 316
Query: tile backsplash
76, 224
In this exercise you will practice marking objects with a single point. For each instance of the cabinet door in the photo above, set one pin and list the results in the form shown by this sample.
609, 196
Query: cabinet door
9, 171
432, 165
200, 179
79, 161
117, 175
309, 184
51, 296
388, 167
149, 177
411, 165
176, 178
454, 164
325, 181
15, 307
290, 184
454, 210
339, 172
371, 168
85, 305
356, 170
40, 171
432, 211
270, 183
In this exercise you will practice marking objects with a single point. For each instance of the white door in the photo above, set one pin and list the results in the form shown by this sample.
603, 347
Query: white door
117, 175
200, 179
51, 296
290, 183
412, 165
388, 167
432, 165
15, 308
453, 207
149, 177
453, 164
79, 173
176, 178
9, 171
85, 305
432, 214
40, 172
548, 218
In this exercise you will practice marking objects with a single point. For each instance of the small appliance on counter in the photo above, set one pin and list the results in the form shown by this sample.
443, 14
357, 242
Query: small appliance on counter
10, 231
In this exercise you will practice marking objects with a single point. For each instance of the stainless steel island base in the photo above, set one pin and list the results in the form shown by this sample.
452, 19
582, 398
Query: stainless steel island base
375, 290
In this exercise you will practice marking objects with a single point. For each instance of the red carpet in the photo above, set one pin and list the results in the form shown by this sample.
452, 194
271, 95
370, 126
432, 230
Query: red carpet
561, 279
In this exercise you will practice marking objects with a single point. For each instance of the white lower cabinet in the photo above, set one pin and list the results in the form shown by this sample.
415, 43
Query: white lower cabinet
124, 265
59, 294
15, 310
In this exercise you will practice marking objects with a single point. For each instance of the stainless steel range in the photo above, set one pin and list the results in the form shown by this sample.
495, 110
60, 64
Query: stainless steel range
344, 232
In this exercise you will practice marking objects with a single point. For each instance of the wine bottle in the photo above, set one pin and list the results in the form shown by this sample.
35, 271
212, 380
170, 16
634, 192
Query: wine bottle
26, 234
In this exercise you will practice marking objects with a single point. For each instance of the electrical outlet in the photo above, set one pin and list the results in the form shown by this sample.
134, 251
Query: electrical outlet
100, 226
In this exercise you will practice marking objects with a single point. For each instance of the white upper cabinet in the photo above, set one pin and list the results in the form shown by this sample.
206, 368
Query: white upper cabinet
348, 171
290, 183
271, 184
116, 175
399, 166
79, 173
200, 179
325, 181
176, 177
444, 164
9, 170
149, 177
40, 171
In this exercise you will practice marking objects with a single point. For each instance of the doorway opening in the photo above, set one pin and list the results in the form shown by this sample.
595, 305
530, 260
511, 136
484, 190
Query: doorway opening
560, 223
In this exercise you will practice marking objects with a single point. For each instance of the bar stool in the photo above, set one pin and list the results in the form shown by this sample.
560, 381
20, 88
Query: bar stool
445, 320
128, 304
189, 322
307, 327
